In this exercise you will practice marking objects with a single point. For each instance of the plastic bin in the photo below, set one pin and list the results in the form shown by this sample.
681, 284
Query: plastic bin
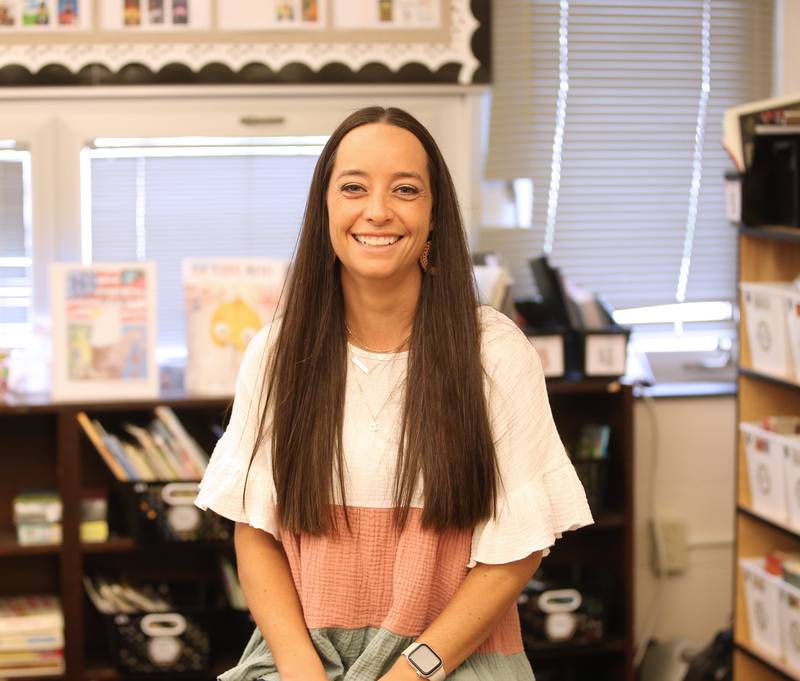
765, 454
763, 593
792, 307
165, 512
790, 624
160, 643
767, 327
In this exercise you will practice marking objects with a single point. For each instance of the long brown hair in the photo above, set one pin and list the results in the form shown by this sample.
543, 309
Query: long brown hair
445, 431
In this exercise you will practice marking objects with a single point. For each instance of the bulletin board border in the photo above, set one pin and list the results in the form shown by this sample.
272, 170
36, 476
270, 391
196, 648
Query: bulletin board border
458, 53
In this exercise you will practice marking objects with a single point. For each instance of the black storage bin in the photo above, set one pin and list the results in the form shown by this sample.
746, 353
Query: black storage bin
160, 643
165, 512
771, 185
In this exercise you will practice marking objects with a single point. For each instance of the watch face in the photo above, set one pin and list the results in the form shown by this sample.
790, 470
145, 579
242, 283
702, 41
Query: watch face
424, 659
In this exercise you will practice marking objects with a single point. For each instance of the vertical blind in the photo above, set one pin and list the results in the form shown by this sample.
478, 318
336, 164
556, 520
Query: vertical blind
614, 109
166, 208
15, 256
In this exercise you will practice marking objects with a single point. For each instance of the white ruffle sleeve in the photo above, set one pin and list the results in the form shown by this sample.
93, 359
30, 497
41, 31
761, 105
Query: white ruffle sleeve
541, 496
222, 488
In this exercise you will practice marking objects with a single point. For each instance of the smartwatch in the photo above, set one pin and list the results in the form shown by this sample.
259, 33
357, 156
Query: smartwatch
425, 662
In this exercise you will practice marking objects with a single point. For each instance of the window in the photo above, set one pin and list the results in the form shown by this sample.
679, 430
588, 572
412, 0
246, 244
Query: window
15, 245
165, 200
614, 111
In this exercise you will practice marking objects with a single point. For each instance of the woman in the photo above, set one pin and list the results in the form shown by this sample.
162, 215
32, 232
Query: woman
391, 462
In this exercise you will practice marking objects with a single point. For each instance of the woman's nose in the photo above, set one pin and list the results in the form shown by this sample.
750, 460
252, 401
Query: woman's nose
378, 210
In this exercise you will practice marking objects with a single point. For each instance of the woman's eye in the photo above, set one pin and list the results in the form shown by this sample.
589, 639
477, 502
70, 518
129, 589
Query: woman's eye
408, 189
352, 188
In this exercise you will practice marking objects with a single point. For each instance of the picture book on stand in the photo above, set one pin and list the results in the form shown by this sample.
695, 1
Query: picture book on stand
227, 301
104, 331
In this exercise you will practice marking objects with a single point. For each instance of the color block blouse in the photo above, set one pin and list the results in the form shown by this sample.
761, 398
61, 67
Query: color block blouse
368, 594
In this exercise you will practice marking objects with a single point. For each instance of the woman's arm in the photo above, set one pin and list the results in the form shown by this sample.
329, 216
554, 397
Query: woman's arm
472, 614
272, 598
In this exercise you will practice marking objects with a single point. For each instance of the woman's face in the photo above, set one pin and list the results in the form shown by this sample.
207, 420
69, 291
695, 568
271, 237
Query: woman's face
379, 204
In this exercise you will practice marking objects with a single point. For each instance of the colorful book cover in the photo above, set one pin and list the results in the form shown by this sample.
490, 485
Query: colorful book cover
104, 331
227, 302
22, 614
35, 13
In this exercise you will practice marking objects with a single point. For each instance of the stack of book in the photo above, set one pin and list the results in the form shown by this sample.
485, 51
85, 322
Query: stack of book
163, 450
37, 516
31, 636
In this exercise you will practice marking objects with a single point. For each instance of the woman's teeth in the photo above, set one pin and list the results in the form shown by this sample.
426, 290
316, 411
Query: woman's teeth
376, 240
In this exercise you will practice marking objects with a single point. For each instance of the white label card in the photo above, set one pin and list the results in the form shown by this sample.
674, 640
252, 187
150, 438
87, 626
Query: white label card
551, 352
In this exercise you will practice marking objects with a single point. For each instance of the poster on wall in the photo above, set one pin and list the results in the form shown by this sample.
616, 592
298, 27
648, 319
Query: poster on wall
387, 14
227, 301
273, 15
155, 15
104, 331
45, 15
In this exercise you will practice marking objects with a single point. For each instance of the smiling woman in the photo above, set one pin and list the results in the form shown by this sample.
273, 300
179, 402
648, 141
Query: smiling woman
391, 462
379, 220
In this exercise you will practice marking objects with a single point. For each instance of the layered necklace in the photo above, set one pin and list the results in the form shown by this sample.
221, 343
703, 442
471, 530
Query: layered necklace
374, 424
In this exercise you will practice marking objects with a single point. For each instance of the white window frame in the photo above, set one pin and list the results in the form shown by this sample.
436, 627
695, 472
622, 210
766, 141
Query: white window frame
57, 123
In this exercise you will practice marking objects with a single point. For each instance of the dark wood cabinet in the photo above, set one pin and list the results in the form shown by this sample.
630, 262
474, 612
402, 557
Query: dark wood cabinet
42, 446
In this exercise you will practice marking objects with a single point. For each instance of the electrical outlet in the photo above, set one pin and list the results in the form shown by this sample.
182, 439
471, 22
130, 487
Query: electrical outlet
670, 547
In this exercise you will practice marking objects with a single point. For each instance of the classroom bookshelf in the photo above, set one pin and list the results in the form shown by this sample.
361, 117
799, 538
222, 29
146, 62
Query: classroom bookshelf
766, 254
43, 446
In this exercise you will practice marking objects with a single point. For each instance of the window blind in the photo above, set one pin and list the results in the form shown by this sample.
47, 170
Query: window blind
628, 172
166, 208
15, 255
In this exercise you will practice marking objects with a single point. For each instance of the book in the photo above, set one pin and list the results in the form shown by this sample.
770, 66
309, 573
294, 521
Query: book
37, 507
46, 639
30, 534
53, 668
22, 614
157, 460
493, 283
227, 301
101, 448
114, 445
20, 658
112, 597
103, 331
182, 437
593, 441
139, 460
94, 531
167, 443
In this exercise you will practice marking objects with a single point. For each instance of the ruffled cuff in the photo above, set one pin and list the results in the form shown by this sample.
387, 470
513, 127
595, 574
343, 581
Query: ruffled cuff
531, 518
223, 491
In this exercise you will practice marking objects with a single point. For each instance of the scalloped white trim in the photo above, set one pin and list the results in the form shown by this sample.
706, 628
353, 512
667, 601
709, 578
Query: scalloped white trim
315, 55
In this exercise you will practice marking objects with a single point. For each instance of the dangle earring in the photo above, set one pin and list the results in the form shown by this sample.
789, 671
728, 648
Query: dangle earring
424, 259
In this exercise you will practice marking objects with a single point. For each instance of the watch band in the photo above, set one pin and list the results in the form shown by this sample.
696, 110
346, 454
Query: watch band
439, 675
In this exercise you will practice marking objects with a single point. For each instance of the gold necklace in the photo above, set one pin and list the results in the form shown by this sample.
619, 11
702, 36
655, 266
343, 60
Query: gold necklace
364, 346
374, 424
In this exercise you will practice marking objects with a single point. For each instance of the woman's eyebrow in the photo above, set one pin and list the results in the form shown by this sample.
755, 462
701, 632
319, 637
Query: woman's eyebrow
394, 176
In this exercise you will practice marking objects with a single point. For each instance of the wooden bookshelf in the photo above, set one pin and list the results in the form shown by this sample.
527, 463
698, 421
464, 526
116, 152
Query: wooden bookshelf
766, 254
45, 447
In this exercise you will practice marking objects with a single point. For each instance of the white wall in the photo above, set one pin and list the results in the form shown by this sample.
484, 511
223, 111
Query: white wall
695, 443
788, 46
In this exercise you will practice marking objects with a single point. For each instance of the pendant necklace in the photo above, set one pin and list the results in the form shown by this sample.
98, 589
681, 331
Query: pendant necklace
374, 424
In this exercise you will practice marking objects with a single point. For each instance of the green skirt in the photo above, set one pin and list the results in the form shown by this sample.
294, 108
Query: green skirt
366, 654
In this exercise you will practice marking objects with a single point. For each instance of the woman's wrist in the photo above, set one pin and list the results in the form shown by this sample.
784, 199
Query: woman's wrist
303, 667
